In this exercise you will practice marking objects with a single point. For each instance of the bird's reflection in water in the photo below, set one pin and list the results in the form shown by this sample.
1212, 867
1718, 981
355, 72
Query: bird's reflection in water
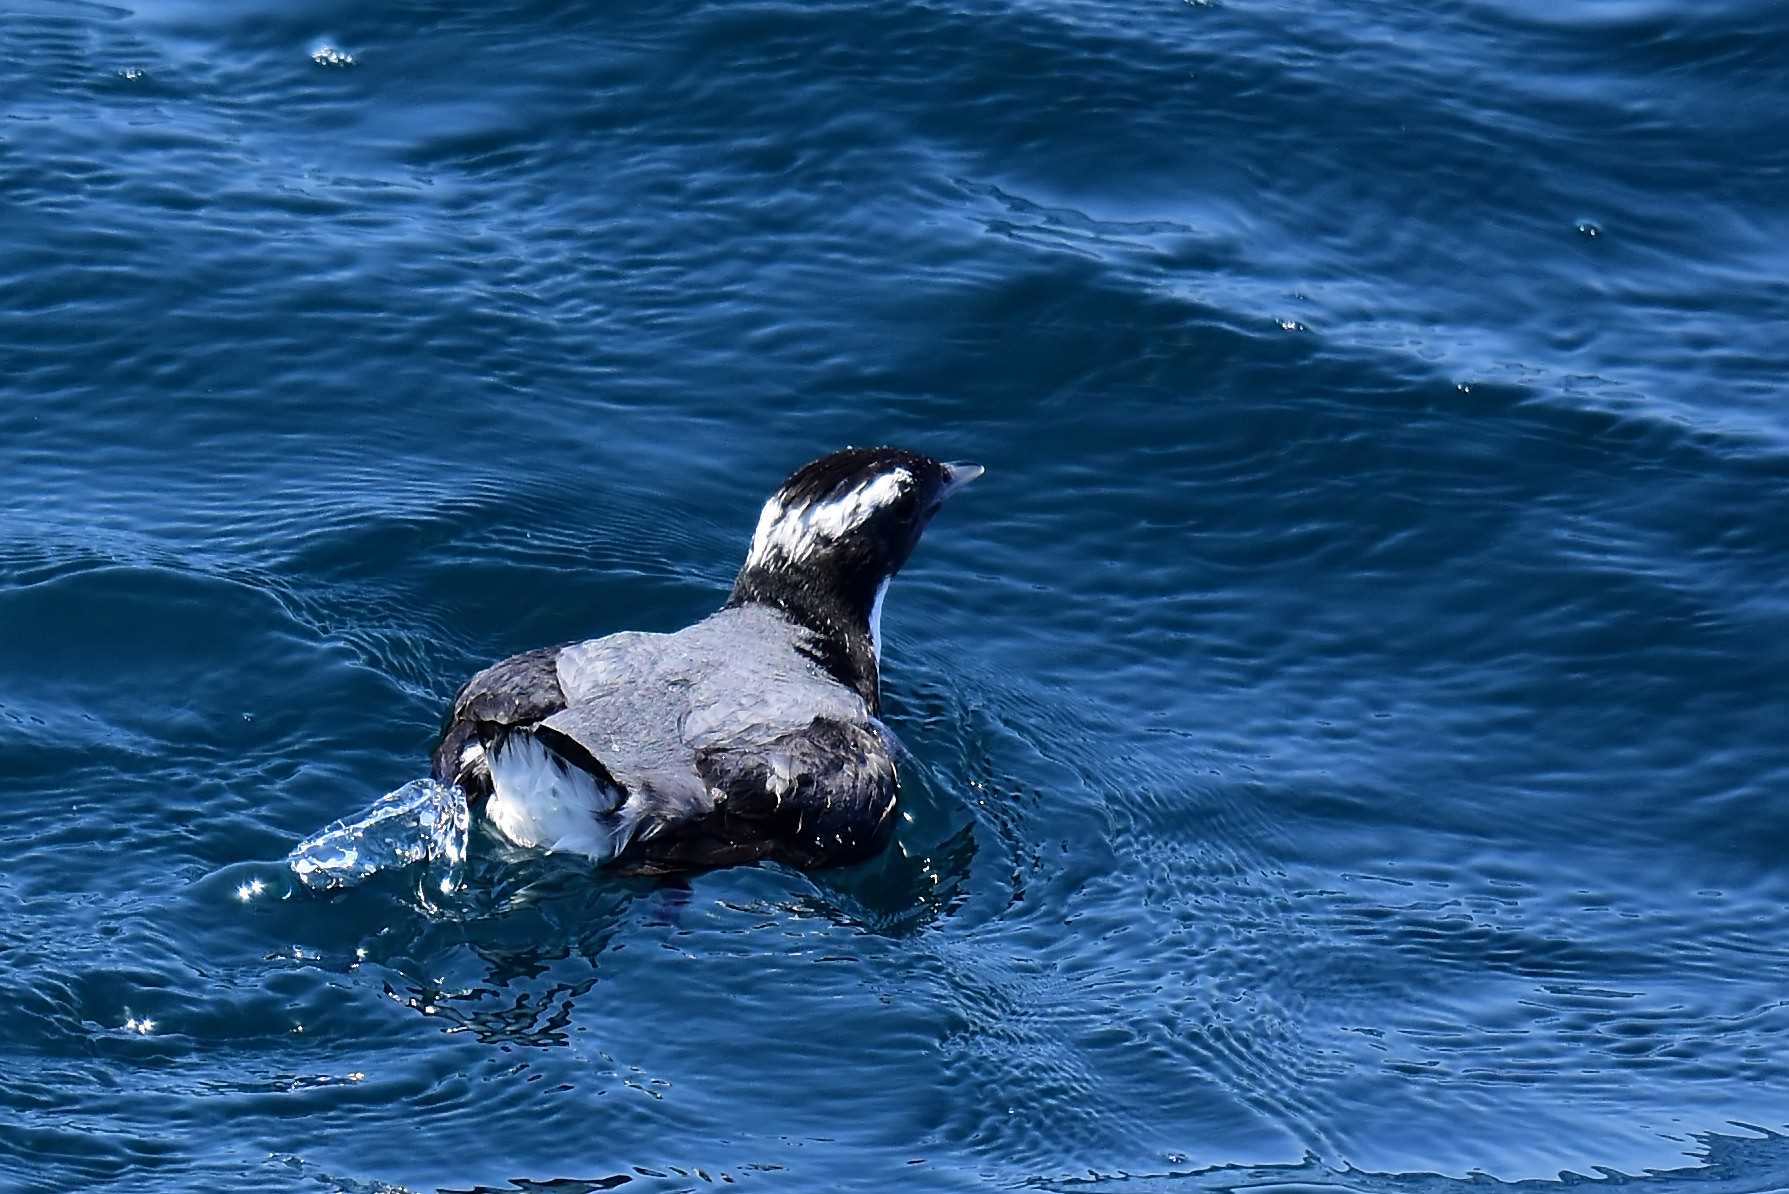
511, 954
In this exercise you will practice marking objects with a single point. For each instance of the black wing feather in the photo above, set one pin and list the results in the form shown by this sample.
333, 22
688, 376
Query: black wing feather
823, 795
517, 691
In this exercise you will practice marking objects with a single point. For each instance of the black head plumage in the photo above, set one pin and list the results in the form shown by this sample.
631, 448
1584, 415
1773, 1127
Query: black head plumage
831, 537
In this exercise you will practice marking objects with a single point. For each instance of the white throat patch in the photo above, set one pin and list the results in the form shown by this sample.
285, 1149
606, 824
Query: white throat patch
792, 533
876, 620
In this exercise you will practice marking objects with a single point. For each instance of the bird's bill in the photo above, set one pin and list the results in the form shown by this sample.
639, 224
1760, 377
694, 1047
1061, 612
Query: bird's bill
959, 473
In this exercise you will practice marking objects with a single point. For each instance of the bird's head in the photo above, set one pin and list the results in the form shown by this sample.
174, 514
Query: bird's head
834, 534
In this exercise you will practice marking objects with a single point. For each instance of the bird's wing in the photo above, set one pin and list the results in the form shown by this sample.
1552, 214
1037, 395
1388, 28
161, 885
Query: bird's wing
524, 691
516, 691
822, 794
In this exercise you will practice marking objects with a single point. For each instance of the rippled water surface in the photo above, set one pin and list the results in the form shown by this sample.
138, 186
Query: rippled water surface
1348, 721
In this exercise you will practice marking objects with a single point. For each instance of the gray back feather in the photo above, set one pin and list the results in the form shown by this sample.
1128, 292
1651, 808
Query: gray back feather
646, 704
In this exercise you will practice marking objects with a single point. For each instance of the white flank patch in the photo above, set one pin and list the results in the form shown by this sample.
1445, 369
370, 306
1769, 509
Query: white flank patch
794, 532
536, 803
876, 620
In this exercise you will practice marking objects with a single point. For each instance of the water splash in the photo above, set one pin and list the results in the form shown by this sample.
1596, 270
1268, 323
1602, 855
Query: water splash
421, 822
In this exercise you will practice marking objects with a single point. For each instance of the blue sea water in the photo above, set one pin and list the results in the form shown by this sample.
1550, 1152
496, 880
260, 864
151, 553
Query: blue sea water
1348, 720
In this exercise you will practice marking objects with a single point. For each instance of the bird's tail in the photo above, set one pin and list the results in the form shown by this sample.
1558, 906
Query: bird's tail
549, 792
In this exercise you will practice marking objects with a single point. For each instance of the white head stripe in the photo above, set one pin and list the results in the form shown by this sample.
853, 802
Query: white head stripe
793, 532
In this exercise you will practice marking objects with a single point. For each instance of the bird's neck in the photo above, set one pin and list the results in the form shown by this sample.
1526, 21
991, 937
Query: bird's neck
840, 618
